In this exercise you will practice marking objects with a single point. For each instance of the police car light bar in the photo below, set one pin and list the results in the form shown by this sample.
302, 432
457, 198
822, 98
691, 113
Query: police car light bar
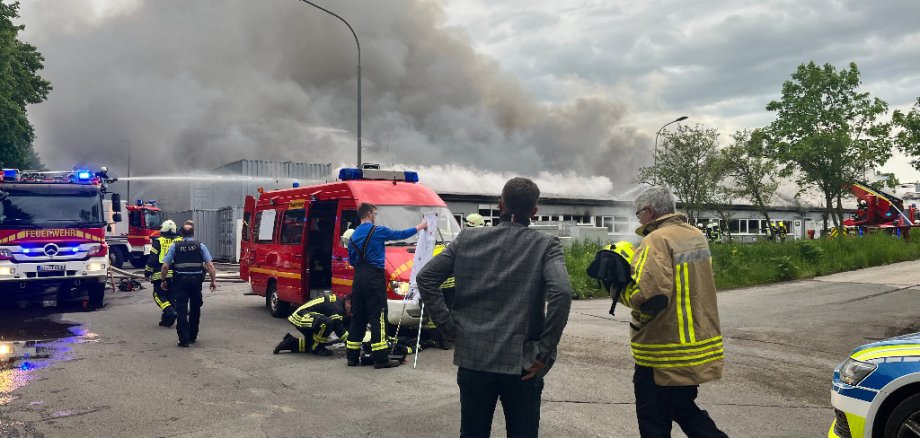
353, 173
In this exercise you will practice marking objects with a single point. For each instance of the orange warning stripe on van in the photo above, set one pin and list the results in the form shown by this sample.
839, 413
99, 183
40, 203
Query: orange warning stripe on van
342, 281
275, 273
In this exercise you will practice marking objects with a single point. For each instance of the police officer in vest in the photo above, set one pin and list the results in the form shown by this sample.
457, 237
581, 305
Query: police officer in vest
158, 249
188, 259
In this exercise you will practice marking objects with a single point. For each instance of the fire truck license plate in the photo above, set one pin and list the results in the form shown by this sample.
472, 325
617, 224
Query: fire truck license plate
44, 268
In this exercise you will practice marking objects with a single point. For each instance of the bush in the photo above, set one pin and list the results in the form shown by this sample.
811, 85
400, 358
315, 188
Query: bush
750, 264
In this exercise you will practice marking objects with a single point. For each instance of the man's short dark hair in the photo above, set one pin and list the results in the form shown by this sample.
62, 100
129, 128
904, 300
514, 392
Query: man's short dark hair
520, 196
365, 210
188, 229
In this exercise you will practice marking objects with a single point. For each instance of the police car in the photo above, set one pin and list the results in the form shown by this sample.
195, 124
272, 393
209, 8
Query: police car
876, 390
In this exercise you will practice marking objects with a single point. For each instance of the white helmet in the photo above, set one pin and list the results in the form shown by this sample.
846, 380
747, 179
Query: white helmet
168, 226
475, 220
346, 236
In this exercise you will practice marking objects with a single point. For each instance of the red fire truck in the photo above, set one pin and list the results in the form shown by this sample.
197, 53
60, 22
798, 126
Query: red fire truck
878, 211
293, 249
130, 241
52, 235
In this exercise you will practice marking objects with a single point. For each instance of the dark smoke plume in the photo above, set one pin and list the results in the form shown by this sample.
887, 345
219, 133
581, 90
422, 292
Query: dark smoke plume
196, 84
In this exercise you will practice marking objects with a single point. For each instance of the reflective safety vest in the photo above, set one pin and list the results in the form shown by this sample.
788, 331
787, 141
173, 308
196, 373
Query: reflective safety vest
451, 281
188, 259
679, 334
158, 248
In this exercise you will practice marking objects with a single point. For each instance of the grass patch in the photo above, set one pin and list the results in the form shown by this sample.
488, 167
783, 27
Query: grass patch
750, 264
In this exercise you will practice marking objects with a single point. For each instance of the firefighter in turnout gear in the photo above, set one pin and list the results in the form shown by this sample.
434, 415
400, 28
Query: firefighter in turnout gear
316, 320
188, 259
676, 338
158, 249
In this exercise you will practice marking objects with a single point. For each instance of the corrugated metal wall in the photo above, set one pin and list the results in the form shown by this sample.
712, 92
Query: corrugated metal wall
223, 193
218, 229
229, 221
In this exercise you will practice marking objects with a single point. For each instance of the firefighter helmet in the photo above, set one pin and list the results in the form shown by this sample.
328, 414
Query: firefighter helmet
346, 236
624, 249
475, 220
168, 226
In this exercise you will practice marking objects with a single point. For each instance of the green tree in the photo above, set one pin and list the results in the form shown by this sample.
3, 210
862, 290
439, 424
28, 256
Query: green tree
686, 164
827, 133
754, 176
20, 85
908, 137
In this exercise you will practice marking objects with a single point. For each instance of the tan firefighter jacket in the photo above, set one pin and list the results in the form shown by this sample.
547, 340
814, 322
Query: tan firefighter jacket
672, 271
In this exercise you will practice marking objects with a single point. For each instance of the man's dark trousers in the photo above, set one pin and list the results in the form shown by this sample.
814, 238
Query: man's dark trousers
479, 391
186, 296
657, 406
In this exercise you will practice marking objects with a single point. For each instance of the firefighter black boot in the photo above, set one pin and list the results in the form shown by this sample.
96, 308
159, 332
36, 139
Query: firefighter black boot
382, 360
322, 351
169, 317
353, 356
289, 343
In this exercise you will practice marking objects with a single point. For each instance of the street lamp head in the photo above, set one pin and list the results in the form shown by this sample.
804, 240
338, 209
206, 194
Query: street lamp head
681, 119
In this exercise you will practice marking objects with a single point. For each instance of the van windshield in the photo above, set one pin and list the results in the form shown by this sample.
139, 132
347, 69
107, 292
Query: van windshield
400, 217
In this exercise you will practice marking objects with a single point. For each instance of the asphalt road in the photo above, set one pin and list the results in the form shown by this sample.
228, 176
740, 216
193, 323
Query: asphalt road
121, 374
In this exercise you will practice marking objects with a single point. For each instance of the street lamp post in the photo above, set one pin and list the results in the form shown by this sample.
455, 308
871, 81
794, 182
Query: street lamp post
359, 67
679, 119
130, 147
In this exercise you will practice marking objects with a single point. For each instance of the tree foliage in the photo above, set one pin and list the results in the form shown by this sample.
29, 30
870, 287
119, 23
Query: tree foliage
908, 138
754, 176
20, 85
827, 133
688, 164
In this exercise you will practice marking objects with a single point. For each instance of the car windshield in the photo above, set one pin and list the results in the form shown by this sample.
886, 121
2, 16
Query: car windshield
25, 209
400, 217
152, 219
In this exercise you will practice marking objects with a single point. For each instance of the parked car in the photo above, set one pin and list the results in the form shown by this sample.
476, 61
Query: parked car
876, 391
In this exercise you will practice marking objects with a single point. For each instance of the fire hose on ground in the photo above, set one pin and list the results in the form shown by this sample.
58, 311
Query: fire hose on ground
121, 273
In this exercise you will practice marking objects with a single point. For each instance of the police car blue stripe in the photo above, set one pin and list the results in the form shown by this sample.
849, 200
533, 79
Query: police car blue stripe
857, 393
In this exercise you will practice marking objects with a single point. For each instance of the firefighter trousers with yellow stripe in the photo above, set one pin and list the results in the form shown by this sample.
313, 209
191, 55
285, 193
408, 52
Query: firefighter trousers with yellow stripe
368, 306
161, 298
315, 329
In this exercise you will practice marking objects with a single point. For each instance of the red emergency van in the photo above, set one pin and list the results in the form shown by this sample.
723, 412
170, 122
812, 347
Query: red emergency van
292, 250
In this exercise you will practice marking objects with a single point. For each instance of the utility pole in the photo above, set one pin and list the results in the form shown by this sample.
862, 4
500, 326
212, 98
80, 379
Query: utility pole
358, 43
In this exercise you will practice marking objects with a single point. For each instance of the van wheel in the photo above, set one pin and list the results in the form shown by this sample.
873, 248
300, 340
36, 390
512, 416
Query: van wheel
904, 420
278, 308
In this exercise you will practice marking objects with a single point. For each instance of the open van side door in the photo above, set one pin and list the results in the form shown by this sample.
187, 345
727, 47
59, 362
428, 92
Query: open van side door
290, 264
246, 255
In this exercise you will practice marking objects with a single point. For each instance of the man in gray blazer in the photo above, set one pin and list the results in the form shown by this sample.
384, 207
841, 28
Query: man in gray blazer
512, 302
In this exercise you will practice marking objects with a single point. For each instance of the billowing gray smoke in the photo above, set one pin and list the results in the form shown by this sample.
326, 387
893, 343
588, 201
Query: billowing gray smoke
193, 85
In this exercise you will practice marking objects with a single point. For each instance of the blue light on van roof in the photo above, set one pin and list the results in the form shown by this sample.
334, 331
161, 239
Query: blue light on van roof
84, 175
350, 173
411, 176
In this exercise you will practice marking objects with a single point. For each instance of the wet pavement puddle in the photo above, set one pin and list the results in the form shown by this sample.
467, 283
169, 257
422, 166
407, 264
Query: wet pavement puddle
31, 340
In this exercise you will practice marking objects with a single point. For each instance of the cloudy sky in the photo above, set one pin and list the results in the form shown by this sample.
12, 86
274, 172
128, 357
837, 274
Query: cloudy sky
568, 92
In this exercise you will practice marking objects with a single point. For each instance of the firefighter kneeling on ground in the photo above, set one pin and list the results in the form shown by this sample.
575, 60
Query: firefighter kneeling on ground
158, 249
316, 320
